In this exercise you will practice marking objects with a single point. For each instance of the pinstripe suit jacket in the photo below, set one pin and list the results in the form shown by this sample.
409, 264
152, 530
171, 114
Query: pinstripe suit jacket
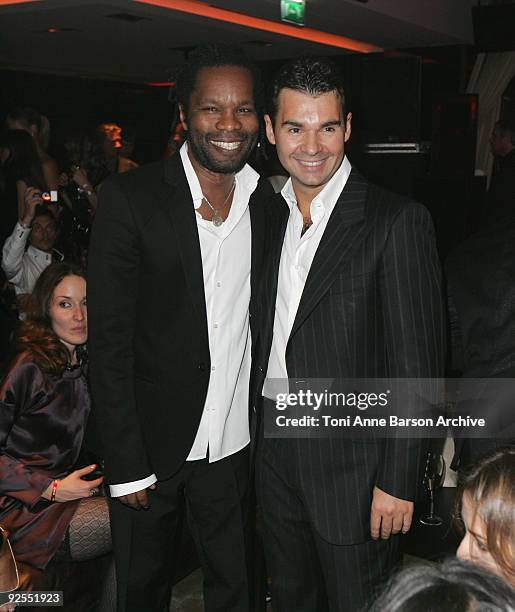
371, 307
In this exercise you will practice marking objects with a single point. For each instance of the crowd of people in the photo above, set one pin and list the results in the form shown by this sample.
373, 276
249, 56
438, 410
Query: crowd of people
203, 288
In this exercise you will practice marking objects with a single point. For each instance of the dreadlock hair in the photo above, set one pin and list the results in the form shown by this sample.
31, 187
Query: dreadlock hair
312, 76
216, 55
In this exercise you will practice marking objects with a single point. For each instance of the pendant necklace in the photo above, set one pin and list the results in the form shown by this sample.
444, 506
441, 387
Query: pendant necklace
217, 219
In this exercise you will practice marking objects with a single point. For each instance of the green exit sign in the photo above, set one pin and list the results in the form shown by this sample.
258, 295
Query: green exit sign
293, 11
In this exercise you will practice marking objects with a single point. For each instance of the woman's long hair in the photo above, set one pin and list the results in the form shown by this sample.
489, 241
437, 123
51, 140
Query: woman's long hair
29, 117
23, 162
84, 149
489, 485
36, 333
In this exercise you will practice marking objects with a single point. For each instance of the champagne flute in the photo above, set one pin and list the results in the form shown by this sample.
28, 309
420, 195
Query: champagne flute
434, 477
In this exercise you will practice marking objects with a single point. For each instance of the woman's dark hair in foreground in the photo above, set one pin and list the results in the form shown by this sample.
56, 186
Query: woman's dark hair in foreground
36, 333
312, 76
489, 484
453, 586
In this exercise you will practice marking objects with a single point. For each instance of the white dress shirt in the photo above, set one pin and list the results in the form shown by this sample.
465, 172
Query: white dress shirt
23, 267
296, 258
226, 260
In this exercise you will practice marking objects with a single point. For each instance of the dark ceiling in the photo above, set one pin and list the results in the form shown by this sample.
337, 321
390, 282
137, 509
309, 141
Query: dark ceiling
132, 40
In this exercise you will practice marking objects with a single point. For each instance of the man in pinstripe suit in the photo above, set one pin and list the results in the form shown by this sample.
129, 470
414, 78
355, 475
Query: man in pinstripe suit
352, 290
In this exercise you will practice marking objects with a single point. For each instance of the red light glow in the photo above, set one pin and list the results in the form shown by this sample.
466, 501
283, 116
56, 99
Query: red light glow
160, 83
7, 2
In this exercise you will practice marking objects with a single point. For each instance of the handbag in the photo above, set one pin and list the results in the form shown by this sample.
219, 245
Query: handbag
9, 577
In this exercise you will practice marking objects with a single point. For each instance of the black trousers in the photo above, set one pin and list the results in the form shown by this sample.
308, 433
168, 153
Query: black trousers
308, 573
144, 541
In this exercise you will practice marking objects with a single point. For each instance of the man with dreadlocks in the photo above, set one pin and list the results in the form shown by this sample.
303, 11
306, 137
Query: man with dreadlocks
174, 263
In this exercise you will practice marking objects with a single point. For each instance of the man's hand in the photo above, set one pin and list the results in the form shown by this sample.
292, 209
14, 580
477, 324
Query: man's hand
389, 515
137, 500
31, 199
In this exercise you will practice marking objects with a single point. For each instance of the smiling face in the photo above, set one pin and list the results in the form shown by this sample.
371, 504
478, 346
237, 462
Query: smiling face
474, 546
68, 312
221, 121
309, 133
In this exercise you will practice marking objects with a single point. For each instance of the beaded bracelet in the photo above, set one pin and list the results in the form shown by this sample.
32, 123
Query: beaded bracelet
54, 490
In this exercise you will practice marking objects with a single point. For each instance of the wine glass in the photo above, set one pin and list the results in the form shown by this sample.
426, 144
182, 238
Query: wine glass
434, 476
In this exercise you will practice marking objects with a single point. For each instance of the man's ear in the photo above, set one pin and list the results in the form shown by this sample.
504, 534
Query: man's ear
269, 129
182, 116
348, 128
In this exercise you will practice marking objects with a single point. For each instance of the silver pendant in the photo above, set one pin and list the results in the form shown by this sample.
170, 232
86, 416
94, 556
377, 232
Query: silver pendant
217, 219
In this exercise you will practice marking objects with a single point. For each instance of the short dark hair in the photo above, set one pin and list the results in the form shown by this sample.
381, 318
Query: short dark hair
313, 76
42, 210
453, 585
215, 55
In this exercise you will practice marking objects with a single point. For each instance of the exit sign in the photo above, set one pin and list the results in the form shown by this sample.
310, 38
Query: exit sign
293, 11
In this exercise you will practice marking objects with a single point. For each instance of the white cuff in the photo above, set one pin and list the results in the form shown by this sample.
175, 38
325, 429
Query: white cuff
21, 230
117, 490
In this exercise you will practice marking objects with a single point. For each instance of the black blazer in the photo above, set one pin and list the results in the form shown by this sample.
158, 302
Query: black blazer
148, 338
371, 307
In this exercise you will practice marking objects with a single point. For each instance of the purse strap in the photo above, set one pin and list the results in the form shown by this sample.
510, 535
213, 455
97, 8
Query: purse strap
6, 559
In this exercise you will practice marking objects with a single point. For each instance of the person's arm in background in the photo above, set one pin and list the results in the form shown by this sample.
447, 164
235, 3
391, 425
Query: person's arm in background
50, 173
21, 190
14, 246
113, 286
80, 177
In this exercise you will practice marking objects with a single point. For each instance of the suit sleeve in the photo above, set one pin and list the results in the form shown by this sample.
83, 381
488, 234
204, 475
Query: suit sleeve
113, 285
411, 293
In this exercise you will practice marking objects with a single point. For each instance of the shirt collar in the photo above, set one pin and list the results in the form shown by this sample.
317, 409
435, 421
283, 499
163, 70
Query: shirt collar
38, 254
246, 179
329, 194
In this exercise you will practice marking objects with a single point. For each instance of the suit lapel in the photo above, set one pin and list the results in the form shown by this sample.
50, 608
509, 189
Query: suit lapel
257, 222
278, 221
177, 202
338, 242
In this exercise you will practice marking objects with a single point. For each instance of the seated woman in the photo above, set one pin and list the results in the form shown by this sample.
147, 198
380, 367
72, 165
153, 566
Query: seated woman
49, 507
486, 494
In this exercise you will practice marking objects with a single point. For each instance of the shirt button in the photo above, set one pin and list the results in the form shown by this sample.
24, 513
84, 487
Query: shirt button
218, 284
215, 325
213, 368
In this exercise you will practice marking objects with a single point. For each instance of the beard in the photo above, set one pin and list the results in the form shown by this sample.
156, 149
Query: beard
202, 150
